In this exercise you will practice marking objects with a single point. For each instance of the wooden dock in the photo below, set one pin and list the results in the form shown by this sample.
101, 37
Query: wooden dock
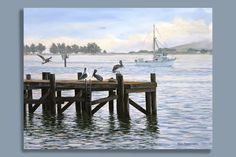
53, 102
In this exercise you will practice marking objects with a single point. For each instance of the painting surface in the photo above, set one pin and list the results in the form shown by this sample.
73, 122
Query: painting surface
175, 44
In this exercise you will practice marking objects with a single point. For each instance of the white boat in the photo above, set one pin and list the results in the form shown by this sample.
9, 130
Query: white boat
160, 58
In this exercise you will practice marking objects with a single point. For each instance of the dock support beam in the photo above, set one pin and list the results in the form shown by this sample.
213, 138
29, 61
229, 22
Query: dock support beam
45, 105
58, 104
88, 98
78, 104
148, 97
52, 94
24, 103
120, 94
30, 94
86, 104
153, 95
111, 103
126, 105
123, 98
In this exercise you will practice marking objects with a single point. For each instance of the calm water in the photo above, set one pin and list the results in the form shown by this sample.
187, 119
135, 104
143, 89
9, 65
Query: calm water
184, 97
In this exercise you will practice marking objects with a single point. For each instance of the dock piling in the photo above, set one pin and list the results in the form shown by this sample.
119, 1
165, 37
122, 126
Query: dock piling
111, 103
52, 94
148, 98
24, 107
58, 103
78, 104
88, 98
45, 105
29, 94
126, 105
153, 95
120, 94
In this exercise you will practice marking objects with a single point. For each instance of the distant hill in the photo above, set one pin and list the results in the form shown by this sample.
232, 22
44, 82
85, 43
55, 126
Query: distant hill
206, 44
202, 47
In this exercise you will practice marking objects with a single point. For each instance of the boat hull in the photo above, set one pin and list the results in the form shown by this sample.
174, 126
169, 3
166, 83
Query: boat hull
168, 63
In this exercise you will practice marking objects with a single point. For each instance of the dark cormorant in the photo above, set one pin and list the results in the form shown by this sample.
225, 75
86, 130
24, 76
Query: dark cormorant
98, 77
45, 60
84, 75
117, 66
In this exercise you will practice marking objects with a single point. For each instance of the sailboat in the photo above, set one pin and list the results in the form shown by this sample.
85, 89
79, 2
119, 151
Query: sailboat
160, 58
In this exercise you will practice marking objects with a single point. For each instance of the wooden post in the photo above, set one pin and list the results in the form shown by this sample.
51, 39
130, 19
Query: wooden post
120, 94
126, 105
83, 104
25, 97
58, 104
78, 105
153, 95
64, 61
111, 103
148, 97
45, 106
52, 93
30, 94
88, 98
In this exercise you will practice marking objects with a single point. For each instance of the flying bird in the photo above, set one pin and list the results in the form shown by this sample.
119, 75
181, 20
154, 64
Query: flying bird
84, 75
117, 66
98, 77
45, 60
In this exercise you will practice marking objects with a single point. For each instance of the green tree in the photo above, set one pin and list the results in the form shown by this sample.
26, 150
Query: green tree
61, 48
75, 48
54, 49
68, 49
33, 48
40, 48
26, 49
93, 48
83, 49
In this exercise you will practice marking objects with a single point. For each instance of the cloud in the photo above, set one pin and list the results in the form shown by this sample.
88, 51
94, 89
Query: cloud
121, 30
181, 31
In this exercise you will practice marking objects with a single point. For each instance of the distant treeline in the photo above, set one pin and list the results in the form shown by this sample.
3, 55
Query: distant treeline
140, 51
62, 48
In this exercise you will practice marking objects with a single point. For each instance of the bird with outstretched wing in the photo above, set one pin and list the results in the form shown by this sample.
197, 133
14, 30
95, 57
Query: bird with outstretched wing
45, 60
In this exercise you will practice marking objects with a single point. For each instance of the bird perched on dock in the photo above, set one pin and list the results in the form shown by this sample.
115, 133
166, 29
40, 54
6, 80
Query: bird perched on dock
117, 66
45, 60
98, 77
84, 75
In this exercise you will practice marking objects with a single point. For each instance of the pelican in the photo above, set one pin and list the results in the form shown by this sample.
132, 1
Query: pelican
98, 77
45, 60
84, 75
117, 66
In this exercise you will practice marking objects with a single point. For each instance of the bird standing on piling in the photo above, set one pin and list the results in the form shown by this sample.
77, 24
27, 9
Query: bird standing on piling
98, 77
45, 60
117, 66
84, 75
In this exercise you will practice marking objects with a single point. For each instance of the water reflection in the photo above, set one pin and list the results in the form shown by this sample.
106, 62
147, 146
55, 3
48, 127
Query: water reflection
111, 123
152, 124
83, 121
124, 125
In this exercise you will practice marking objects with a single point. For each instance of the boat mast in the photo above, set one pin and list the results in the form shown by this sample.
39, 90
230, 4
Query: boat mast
155, 45
154, 40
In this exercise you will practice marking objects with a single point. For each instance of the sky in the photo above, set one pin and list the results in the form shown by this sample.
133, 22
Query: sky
117, 29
